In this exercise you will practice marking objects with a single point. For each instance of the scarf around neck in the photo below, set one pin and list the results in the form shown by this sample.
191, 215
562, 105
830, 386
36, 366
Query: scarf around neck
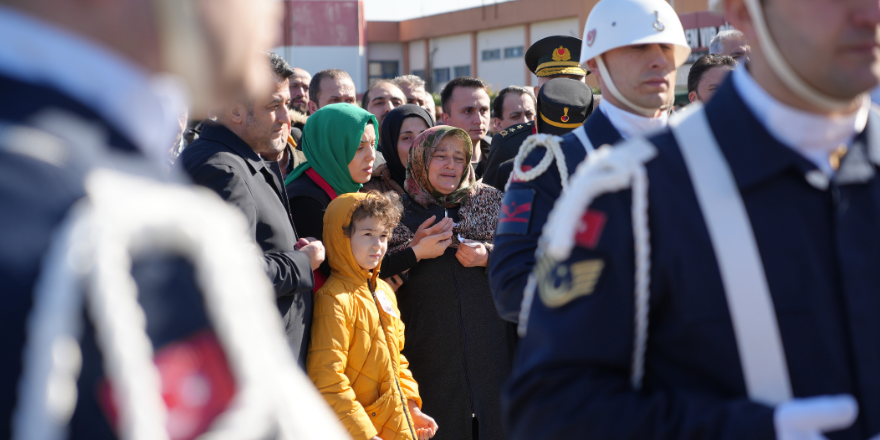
330, 141
417, 184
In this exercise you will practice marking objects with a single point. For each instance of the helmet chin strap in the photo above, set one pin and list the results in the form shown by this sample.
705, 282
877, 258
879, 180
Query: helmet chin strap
183, 46
783, 70
606, 78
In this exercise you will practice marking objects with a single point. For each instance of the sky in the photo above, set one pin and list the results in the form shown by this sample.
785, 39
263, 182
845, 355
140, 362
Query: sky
395, 10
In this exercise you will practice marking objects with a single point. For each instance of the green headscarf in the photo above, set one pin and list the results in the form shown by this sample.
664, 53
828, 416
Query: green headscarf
330, 140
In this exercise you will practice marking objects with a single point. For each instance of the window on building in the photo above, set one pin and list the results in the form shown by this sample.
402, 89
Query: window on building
419, 73
441, 76
383, 70
462, 71
492, 54
513, 52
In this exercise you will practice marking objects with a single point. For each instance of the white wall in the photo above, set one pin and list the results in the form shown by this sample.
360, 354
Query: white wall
416, 55
386, 52
544, 29
450, 52
313, 59
506, 71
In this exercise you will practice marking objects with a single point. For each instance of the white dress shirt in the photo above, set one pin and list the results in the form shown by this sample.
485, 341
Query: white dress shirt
813, 136
142, 106
630, 124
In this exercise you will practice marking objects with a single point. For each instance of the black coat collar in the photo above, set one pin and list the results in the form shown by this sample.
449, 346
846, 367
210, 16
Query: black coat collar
216, 132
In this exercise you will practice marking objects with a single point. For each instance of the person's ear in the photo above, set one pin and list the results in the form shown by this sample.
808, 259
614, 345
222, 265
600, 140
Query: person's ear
445, 118
313, 106
236, 113
738, 15
692, 96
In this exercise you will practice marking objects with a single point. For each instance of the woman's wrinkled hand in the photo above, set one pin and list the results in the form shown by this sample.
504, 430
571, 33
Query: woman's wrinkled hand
473, 256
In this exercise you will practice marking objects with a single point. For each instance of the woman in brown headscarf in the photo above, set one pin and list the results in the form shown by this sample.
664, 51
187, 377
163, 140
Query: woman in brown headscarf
460, 350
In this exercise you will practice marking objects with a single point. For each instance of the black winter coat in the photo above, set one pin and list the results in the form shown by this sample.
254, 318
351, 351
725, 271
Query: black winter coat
460, 351
220, 160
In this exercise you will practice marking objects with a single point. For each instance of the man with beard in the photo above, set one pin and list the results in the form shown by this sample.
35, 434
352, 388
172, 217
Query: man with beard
330, 86
237, 158
382, 97
299, 90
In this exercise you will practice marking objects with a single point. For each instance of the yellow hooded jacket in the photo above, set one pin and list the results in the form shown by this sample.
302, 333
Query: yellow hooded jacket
355, 363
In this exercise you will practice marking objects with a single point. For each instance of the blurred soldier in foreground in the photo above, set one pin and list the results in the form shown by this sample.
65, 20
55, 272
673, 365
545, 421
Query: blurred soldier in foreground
635, 61
717, 280
131, 307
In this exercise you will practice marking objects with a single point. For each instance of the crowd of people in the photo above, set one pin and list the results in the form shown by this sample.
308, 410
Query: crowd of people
556, 263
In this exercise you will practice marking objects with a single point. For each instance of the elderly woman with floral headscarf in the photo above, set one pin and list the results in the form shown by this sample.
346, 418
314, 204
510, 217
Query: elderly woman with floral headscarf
460, 350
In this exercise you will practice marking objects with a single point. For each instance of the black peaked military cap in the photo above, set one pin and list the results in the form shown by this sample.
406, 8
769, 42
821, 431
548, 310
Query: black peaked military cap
563, 105
556, 55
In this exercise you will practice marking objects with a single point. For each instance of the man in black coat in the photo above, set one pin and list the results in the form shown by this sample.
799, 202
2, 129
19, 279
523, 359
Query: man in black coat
229, 158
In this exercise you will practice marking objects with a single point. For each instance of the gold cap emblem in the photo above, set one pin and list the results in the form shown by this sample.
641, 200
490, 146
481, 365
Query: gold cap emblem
561, 54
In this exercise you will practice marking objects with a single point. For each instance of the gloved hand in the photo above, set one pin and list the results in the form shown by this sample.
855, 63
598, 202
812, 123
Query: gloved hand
808, 418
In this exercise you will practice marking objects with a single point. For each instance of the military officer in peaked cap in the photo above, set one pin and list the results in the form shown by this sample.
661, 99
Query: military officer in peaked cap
634, 48
563, 105
717, 279
556, 56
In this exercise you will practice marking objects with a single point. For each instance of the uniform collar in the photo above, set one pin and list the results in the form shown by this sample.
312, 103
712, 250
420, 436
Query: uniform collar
144, 107
217, 132
600, 130
630, 124
753, 154
813, 136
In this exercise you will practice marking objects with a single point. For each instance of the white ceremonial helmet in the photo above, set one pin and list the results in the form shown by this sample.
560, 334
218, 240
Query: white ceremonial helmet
617, 23
777, 61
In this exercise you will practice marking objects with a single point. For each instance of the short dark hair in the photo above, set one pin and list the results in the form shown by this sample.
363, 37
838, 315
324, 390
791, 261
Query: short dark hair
498, 106
703, 64
386, 207
279, 66
315, 85
461, 81
365, 100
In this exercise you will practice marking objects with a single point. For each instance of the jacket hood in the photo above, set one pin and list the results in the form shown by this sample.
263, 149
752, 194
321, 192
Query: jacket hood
338, 245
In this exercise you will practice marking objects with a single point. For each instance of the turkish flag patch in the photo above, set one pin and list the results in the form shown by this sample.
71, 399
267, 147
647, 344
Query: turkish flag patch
197, 385
590, 229
524, 168
516, 212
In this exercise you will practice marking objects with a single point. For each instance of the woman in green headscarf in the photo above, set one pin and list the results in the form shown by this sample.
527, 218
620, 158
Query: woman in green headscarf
339, 142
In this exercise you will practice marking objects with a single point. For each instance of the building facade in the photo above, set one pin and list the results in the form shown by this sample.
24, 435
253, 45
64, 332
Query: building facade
487, 42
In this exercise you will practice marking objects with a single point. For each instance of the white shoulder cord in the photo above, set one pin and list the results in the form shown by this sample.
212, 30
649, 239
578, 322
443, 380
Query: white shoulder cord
532, 283
93, 251
610, 170
554, 151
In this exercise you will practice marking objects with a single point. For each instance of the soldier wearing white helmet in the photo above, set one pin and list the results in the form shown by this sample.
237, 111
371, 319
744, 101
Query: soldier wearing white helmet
711, 281
634, 48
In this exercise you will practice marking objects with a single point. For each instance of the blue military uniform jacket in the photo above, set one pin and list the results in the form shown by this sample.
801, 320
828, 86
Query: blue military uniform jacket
524, 212
37, 192
819, 247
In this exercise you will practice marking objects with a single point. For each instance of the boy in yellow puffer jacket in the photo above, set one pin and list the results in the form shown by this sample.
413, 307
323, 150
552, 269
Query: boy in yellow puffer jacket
357, 335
